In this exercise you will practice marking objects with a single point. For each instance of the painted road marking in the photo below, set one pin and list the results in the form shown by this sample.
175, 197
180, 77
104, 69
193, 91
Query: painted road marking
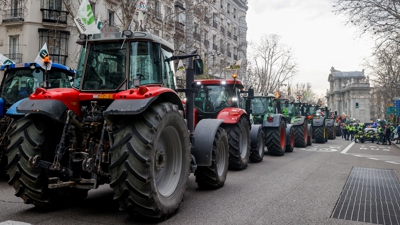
10, 222
319, 148
348, 148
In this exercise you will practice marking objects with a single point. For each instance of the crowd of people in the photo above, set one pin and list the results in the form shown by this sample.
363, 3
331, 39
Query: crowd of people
386, 132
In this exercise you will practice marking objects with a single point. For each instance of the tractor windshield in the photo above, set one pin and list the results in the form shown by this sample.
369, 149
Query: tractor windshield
213, 98
262, 106
20, 83
106, 65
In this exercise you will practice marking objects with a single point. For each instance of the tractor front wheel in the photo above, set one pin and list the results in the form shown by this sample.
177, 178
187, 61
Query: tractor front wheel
150, 162
257, 148
239, 144
214, 176
301, 135
275, 139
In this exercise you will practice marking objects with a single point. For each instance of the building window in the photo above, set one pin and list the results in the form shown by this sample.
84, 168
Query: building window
13, 49
57, 44
111, 18
157, 10
234, 12
15, 12
228, 8
54, 11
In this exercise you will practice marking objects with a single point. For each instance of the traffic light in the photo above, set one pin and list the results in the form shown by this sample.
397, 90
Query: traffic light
356, 104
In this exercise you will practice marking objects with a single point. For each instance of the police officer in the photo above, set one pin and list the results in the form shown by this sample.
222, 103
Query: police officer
380, 133
353, 131
348, 128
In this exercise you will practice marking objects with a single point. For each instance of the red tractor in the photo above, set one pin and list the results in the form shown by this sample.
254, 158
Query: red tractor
222, 100
122, 123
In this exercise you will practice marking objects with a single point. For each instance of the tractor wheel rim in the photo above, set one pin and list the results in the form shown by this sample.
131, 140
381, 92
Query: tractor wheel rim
168, 161
243, 142
283, 141
221, 158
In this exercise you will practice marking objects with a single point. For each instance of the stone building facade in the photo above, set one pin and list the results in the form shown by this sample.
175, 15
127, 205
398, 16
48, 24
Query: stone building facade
349, 93
217, 28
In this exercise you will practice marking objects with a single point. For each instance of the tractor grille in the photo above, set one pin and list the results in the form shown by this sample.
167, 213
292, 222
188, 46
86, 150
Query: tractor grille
370, 195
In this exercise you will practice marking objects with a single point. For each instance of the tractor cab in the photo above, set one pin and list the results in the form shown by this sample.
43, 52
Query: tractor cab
263, 106
213, 96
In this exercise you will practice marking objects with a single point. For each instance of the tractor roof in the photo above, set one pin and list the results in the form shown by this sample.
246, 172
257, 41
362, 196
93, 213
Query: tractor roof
238, 83
136, 35
28, 64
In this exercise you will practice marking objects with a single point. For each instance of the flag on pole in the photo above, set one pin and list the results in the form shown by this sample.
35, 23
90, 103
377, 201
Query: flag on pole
142, 9
277, 94
85, 20
235, 66
43, 58
5, 61
99, 24
181, 69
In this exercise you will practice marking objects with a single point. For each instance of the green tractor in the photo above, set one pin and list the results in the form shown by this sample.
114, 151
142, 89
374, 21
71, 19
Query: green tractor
294, 116
279, 138
317, 121
330, 125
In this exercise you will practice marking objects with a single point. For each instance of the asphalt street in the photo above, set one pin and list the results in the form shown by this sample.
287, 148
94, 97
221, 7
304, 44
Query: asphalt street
301, 187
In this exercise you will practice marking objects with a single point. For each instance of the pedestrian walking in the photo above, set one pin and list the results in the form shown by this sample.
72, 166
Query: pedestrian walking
388, 135
380, 133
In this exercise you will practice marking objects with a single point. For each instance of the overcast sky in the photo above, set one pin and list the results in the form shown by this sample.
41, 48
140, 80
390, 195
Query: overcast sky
319, 38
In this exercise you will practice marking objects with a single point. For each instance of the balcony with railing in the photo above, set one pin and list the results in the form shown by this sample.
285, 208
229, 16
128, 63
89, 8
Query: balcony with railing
196, 36
215, 24
179, 26
222, 30
16, 57
215, 47
54, 16
179, 4
14, 16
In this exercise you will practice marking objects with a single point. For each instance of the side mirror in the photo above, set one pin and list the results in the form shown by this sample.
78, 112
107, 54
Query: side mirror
250, 93
198, 66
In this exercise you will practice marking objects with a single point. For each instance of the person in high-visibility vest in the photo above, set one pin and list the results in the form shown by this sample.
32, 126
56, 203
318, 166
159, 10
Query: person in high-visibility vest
348, 128
380, 133
353, 131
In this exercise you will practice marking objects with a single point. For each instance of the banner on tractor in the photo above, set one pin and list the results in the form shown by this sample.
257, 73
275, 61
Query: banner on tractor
43, 58
85, 20
5, 61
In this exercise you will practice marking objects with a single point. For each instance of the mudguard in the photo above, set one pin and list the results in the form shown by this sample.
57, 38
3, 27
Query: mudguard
288, 129
329, 122
318, 122
203, 140
309, 129
230, 115
255, 130
296, 121
275, 122
54, 109
128, 107
12, 111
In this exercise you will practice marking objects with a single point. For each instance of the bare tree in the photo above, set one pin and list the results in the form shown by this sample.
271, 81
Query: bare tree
378, 17
270, 64
385, 71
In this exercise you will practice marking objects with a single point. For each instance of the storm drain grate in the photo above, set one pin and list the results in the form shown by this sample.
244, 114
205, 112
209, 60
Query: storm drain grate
370, 195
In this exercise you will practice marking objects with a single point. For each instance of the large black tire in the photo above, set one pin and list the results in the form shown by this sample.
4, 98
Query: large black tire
239, 144
257, 148
3, 163
31, 137
275, 139
290, 142
150, 162
331, 132
301, 135
214, 176
319, 134
309, 136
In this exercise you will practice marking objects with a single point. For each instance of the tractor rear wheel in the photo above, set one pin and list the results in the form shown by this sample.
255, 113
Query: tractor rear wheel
150, 162
331, 132
319, 134
239, 144
32, 137
257, 148
310, 134
214, 176
290, 145
3, 163
301, 135
275, 139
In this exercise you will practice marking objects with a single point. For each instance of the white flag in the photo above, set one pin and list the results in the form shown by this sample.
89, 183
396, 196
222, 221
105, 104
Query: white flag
85, 20
142, 6
5, 61
181, 69
235, 66
42, 57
